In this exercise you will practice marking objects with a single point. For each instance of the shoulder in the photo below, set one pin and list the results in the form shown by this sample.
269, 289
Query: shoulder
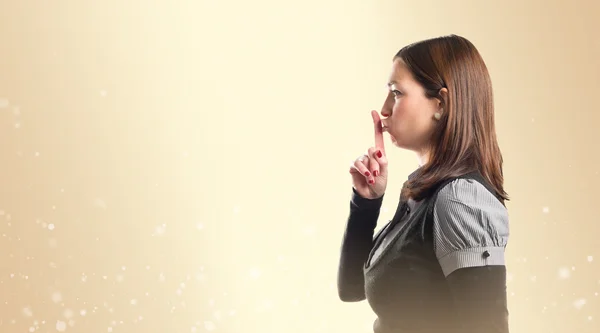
467, 192
470, 226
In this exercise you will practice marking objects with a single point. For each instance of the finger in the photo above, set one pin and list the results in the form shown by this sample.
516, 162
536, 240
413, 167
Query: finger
373, 165
362, 169
378, 131
378, 156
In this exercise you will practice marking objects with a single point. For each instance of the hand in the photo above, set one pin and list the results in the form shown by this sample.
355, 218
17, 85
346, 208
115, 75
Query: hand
369, 171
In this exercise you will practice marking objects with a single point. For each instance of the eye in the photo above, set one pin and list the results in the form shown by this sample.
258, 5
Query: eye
396, 93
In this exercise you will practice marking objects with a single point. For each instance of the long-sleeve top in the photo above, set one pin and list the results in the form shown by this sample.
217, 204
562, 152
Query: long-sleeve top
437, 266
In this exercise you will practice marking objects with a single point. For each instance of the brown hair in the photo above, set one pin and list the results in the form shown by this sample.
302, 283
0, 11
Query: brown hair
465, 139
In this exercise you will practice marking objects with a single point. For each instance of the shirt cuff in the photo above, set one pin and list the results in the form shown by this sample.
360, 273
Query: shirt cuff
362, 203
473, 257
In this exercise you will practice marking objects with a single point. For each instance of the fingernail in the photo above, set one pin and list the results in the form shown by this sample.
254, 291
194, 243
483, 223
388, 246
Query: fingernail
371, 181
367, 173
379, 154
375, 173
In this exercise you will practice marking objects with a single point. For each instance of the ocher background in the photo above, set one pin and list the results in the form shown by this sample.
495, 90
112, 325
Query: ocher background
181, 166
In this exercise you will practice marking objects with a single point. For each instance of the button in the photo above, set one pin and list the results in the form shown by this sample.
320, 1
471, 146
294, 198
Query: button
486, 254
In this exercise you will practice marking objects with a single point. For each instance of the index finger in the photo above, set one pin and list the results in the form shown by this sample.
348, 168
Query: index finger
378, 131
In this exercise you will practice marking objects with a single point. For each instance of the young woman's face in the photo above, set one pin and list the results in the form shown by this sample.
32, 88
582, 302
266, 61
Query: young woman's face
408, 115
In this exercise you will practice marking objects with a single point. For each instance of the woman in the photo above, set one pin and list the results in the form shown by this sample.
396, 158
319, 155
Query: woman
438, 265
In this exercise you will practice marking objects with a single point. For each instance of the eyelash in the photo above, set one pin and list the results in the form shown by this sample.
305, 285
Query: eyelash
396, 93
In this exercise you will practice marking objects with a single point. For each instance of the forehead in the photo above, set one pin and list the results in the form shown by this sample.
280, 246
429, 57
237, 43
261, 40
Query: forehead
399, 73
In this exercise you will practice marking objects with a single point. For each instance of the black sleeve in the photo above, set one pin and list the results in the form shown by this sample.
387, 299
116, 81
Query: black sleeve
356, 246
480, 298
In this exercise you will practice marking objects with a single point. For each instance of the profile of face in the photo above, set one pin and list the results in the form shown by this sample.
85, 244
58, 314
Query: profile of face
408, 114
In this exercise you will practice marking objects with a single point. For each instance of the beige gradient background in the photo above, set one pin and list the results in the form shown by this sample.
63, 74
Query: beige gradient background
181, 166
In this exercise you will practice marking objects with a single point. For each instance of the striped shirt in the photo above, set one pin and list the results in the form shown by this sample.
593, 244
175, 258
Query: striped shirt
471, 227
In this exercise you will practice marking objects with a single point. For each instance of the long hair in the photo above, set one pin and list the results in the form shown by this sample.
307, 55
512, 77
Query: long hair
465, 138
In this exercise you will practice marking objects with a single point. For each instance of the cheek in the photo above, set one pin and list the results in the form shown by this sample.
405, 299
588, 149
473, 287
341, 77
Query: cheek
410, 119
403, 113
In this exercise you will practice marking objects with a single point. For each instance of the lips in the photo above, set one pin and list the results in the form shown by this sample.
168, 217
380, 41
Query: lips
383, 126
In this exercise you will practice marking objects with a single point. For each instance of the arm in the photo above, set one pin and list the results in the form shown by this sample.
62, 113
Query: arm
480, 298
356, 246
471, 232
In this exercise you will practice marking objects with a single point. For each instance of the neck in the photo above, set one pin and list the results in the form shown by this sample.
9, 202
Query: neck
422, 157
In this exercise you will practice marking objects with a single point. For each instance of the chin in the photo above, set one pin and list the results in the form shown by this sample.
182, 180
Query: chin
395, 142
399, 144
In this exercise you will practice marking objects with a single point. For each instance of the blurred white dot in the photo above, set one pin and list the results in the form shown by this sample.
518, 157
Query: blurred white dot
236, 209
110, 329
133, 301
590, 258
36, 154
31, 329
17, 125
199, 226
68, 313
100, 203
255, 273
209, 326
51, 226
589, 317
160, 230
103, 93
533, 278
546, 210
27, 312
56, 297
83, 313
578, 304
564, 273
123, 267
4, 103
61, 326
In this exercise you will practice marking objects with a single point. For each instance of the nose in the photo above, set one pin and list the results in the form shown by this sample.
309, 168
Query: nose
385, 112
386, 108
